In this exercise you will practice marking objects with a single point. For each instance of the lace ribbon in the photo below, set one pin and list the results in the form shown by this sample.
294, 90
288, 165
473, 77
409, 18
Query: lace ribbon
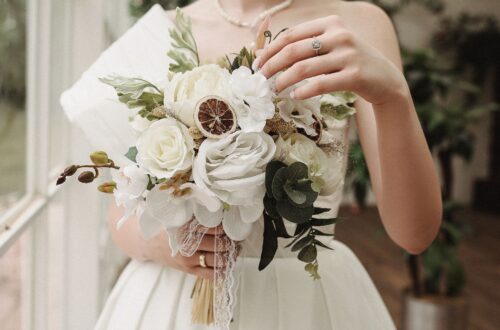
226, 268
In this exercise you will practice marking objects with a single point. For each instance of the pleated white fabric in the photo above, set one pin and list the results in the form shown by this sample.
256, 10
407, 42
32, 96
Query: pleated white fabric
152, 297
282, 297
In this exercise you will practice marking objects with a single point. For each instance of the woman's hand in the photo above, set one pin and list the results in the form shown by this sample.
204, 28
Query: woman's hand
131, 242
192, 264
344, 63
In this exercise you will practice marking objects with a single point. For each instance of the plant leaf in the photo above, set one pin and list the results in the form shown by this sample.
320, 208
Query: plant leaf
281, 228
132, 154
302, 243
318, 242
294, 214
323, 222
269, 244
271, 170
308, 253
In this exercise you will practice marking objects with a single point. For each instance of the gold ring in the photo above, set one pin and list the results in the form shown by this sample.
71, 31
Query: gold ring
202, 260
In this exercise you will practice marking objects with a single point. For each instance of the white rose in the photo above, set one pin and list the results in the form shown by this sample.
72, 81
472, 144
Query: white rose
299, 148
131, 183
233, 168
165, 149
252, 98
186, 89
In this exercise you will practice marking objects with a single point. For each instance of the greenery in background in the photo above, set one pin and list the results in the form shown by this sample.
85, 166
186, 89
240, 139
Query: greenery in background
13, 50
140, 7
446, 88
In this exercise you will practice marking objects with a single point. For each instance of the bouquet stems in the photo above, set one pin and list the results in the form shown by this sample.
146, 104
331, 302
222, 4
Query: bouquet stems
203, 301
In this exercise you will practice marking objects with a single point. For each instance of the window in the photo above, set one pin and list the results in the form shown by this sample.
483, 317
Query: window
53, 240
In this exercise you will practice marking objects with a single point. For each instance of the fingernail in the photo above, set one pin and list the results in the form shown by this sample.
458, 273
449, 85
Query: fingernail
255, 65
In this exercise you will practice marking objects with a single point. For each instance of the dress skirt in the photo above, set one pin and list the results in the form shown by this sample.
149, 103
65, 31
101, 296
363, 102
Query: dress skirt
282, 297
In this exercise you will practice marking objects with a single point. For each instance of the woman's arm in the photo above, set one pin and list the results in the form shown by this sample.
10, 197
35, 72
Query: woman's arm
130, 241
362, 55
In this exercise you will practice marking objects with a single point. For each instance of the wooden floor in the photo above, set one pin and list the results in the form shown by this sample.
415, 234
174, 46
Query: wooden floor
384, 261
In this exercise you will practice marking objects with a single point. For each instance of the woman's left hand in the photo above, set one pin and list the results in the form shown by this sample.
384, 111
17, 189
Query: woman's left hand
344, 63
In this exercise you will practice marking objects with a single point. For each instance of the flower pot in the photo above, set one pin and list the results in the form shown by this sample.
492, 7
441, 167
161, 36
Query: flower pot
434, 313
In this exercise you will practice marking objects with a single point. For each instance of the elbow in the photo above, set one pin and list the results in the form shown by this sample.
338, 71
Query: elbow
422, 237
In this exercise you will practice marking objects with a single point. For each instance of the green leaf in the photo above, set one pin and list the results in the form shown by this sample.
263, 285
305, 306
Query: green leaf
297, 171
294, 214
271, 170
132, 154
279, 181
308, 253
318, 242
323, 222
269, 245
135, 92
302, 243
270, 207
298, 197
301, 228
280, 228
184, 50
296, 238
320, 233
319, 210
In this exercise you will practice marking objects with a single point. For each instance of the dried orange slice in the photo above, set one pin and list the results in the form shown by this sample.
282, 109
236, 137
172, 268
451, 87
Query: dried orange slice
214, 117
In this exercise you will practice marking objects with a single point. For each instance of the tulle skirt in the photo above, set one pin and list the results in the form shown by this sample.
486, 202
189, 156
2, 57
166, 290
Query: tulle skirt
152, 297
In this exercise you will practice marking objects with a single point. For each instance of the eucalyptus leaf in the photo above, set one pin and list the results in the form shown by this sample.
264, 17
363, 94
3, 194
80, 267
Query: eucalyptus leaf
280, 228
269, 245
132, 154
271, 170
319, 210
320, 233
270, 207
294, 214
323, 222
302, 243
308, 253
296, 196
318, 242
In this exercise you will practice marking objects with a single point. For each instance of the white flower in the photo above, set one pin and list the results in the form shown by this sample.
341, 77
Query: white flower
233, 168
131, 183
300, 112
186, 89
164, 210
325, 170
252, 98
165, 149
140, 124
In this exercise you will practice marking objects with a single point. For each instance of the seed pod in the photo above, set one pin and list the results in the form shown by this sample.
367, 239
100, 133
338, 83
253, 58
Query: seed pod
107, 187
86, 177
70, 170
61, 180
99, 158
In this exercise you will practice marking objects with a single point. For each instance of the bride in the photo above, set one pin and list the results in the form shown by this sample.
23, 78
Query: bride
355, 49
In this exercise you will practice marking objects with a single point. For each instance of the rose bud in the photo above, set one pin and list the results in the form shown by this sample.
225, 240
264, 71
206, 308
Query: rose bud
70, 170
99, 158
107, 187
86, 177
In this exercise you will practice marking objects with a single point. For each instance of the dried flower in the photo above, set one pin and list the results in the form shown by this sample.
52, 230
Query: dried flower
99, 158
86, 177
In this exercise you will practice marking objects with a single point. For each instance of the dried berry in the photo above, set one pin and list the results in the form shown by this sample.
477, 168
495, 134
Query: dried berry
86, 177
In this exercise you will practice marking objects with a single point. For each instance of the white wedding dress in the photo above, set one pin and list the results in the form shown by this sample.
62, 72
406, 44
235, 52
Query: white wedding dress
149, 296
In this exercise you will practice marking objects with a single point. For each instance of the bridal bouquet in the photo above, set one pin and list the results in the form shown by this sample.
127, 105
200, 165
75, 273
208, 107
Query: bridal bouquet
217, 147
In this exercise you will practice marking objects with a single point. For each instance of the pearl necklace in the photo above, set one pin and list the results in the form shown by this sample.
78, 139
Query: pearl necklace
271, 11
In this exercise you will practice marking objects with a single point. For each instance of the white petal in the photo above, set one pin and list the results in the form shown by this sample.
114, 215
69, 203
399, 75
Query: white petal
171, 212
150, 227
249, 214
207, 218
172, 241
234, 228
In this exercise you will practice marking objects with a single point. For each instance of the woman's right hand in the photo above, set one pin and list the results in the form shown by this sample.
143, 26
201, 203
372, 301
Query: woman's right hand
131, 242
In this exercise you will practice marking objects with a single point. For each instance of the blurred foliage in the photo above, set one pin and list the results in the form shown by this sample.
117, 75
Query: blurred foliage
357, 173
140, 7
13, 50
446, 89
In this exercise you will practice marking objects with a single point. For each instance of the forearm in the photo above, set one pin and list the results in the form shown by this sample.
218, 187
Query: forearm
131, 242
409, 197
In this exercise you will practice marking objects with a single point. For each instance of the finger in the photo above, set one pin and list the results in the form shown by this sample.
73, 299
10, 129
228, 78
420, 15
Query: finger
208, 243
207, 273
309, 68
194, 260
302, 31
290, 54
323, 84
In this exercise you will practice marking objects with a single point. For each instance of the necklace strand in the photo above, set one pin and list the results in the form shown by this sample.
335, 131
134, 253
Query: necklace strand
271, 11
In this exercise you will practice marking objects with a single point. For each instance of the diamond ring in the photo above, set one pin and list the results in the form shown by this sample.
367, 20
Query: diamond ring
316, 45
202, 260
